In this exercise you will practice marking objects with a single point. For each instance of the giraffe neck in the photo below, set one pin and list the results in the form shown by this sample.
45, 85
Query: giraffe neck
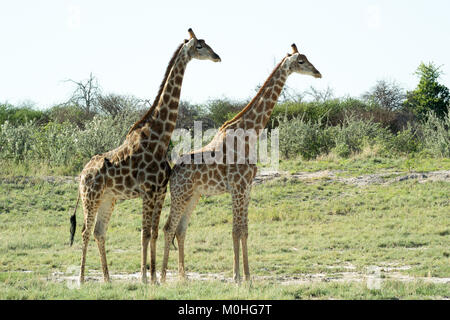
162, 121
157, 125
257, 113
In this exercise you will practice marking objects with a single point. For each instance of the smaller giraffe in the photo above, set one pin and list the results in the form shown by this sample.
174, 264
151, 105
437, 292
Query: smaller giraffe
189, 181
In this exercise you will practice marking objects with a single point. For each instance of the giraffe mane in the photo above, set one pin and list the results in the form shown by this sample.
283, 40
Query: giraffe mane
161, 88
255, 98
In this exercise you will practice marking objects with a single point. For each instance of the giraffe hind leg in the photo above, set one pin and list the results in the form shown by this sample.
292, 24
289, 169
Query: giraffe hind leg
176, 211
181, 233
103, 216
90, 212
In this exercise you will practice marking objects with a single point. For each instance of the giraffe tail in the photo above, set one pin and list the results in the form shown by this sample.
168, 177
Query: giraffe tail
173, 243
73, 221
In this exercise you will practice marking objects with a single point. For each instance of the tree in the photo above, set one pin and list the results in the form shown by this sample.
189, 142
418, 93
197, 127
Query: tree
388, 95
320, 95
221, 110
429, 94
86, 94
114, 104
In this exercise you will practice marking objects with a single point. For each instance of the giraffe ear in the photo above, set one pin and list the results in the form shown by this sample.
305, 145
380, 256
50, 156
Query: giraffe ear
191, 34
294, 48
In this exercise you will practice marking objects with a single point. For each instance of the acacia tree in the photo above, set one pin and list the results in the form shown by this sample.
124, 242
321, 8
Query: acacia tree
115, 104
388, 95
86, 94
429, 94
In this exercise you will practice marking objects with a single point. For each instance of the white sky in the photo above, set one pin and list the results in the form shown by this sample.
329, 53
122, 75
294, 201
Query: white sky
127, 44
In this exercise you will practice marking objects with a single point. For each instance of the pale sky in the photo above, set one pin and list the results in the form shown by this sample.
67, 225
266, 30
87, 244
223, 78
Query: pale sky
127, 45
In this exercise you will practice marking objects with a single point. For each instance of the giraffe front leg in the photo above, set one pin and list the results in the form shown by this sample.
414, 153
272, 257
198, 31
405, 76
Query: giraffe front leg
145, 238
236, 275
240, 197
155, 228
147, 212
245, 254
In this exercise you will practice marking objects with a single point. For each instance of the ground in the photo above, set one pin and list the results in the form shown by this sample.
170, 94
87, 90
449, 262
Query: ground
344, 229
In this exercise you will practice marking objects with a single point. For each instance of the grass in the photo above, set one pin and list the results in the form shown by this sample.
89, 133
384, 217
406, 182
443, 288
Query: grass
295, 227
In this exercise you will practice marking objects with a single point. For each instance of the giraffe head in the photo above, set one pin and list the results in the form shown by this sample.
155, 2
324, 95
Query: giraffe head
297, 62
198, 49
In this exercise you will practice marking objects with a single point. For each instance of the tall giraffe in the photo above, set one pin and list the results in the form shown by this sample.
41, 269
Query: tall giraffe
215, 175
139, 167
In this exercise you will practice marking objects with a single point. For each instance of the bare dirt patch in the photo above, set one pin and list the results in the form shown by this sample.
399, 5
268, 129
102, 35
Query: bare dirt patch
362, 180
265, 176
374, 274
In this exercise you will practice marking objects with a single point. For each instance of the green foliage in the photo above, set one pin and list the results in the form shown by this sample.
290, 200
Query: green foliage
19, 115
69, 113
404, 142
311, 139
16, 141
429, 95
63, 144
436, 134
305, 138
54, 143
103, 134
353, 135
221, 110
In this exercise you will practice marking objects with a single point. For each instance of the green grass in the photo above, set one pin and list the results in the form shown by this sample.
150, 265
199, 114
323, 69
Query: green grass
366, 165
22, 286
295, 227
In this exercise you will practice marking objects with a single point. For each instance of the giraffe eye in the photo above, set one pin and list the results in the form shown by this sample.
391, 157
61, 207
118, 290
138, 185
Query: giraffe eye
301, 62
199, 47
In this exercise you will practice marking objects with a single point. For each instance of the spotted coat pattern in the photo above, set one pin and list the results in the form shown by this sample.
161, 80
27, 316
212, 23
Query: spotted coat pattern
139, 167
188, 182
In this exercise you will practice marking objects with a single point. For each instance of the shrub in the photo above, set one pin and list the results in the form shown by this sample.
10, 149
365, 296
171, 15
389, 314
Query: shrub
103, 133
435, 134
404, 142
353, 135
54, 143
305, 138
16, 141
20, 115
221, 110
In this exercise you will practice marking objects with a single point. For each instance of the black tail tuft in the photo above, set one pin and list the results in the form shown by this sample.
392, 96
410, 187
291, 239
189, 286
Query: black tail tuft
73, 227
173, 243
73, 221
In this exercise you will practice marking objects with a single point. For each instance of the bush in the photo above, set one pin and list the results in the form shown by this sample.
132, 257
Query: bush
20, 115
16, 141
104, 134
353, 135
221, 110
54, 143
404, 142
435, 134
305, 138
